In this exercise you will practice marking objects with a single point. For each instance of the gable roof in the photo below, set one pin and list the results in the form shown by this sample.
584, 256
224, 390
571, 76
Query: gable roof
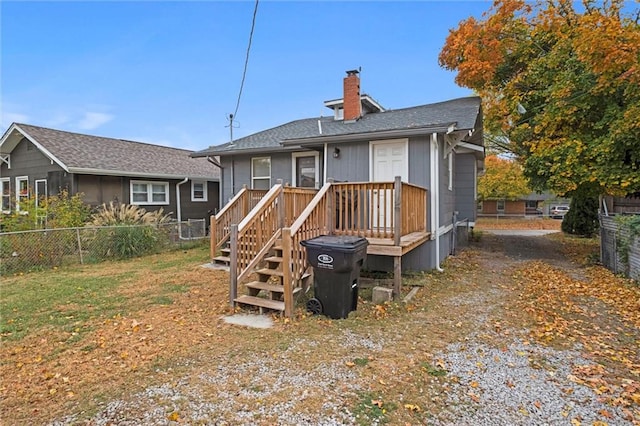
87, 154
455, 114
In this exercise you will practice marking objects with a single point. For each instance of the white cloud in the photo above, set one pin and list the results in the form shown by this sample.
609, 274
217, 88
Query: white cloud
93, 120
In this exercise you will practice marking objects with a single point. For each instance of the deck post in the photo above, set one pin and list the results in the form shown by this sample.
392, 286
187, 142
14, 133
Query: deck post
287, 279
397, 210
331, 211
212, 236
233, 266
281, 210
397, 277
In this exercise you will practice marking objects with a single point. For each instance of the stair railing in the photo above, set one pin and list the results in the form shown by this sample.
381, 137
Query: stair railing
314, 220
254, 236
233, 212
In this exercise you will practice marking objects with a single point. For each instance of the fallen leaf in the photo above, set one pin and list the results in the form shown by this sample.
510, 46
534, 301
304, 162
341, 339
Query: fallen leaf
173, 417
412, 407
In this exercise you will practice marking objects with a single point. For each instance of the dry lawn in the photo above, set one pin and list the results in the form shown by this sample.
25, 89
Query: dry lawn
164, 328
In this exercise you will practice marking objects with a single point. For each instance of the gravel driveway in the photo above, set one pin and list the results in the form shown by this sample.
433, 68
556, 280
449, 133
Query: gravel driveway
461, 353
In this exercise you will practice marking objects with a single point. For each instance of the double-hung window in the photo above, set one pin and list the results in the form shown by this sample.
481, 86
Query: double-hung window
149, 193
261, 173
5, 190
22, 190
198, 191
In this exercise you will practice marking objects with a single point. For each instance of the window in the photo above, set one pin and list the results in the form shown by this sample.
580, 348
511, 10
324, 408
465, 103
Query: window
149, 193
500, 205
479, 206
5, 190
22, 190
198, 191
261, 173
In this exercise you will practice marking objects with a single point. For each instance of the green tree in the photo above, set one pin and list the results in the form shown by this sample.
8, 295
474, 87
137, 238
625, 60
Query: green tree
502, 179
561, 82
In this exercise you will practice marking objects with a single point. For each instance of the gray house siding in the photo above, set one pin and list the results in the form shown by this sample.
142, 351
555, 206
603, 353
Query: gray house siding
236, 171
101, 189
464, 181
27, 160
353, 163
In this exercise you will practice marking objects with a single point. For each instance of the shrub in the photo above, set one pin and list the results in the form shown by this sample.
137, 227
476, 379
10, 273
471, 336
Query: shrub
135, 231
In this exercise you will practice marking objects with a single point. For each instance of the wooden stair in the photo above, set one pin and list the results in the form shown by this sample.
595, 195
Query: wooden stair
267, 291
224, 258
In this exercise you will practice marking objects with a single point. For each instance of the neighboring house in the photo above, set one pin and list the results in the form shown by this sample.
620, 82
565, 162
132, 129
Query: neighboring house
437, 146
42, 162
533, 204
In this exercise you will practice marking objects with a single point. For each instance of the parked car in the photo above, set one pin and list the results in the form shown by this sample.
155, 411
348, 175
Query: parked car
558, 212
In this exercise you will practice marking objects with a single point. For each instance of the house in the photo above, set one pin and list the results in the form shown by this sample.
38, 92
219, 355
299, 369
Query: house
533, 204
40, 161
436, 151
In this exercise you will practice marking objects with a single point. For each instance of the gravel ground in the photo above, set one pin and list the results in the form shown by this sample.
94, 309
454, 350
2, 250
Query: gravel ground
490, 379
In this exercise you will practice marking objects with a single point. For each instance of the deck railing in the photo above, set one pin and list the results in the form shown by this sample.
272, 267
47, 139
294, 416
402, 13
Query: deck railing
383, 210
312, 222
233, 212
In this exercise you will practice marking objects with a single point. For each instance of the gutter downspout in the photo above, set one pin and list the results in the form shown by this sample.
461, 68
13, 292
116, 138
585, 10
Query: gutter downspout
324, 165
435, 195
221, 184
178, 207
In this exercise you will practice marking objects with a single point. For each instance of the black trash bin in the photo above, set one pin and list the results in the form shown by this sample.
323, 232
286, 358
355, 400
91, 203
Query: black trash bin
336, 261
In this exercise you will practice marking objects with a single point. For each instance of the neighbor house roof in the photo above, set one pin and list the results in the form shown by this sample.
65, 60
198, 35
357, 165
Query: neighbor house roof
456, 114
87, 154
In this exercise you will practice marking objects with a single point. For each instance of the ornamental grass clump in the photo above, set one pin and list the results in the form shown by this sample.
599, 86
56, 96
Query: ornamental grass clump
132, 231
127, 214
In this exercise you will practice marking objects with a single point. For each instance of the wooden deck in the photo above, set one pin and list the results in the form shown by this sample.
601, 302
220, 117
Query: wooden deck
386, 247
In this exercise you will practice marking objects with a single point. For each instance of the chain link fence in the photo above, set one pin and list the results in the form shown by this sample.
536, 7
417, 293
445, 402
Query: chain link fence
49, 248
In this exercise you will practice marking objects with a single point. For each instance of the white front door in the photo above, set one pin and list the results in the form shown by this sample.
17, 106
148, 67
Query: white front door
388, 160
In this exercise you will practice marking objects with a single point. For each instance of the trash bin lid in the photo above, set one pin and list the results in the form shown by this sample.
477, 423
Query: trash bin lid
336, 241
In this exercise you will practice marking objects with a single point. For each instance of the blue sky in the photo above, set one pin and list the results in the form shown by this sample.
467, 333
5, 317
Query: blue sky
169, 72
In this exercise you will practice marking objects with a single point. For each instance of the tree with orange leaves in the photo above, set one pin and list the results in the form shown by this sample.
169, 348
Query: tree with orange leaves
503, 180
561, 82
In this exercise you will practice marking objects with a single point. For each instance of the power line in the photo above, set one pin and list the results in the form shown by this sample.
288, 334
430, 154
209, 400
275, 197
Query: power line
246, 64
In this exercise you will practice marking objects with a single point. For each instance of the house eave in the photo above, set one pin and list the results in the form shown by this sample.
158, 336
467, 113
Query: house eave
103, 172
241, 151
314, 140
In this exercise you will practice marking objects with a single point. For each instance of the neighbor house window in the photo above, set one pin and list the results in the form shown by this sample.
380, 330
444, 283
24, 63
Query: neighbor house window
149, 193
479, 206
500, 205
5, 190
198, 191
261, 173
22, 190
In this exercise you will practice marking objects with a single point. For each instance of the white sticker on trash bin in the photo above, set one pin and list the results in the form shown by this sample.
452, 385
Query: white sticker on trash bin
325, 261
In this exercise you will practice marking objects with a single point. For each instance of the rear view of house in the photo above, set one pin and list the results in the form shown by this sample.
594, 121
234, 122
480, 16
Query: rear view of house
40, 161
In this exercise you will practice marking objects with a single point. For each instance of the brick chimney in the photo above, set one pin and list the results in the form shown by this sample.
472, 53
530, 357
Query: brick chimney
352, 106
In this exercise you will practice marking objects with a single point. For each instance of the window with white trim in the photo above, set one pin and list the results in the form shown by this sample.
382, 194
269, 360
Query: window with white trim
149, 193
261, 173
198, 190
500, 205
5, 190
22, 190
